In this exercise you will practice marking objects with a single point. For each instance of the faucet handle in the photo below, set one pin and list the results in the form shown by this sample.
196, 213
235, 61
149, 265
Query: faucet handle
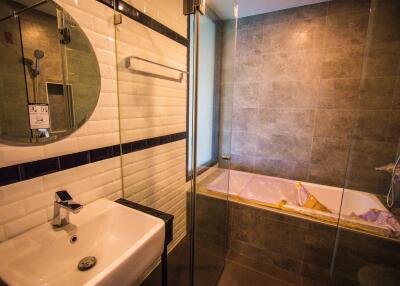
62, 196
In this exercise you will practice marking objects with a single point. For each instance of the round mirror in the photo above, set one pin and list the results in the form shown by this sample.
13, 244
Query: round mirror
49, 74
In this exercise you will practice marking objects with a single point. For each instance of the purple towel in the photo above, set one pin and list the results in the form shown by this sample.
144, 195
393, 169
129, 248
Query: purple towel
383, 218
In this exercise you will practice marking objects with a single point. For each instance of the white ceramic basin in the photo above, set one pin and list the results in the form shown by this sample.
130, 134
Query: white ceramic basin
125, 242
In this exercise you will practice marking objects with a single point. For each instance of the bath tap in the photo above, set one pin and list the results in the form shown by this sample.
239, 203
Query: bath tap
63, 205
395, 172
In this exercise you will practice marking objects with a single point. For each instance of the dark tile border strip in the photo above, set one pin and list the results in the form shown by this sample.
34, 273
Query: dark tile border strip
134, 14
30, 170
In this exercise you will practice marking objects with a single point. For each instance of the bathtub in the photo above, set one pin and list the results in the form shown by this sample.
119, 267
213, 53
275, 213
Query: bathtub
278, 193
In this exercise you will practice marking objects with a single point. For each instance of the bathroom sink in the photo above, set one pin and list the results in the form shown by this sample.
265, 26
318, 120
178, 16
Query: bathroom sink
124, 241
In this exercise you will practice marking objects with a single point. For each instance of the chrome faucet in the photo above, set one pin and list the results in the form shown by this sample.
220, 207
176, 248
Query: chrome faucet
63, 205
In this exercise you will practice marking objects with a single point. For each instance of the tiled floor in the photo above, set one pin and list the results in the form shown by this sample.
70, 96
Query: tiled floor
178, 268
238, 270
236, 274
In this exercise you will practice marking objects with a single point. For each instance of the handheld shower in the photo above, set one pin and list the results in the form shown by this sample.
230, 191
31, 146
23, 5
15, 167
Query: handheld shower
39, 54
394, 170
390, 198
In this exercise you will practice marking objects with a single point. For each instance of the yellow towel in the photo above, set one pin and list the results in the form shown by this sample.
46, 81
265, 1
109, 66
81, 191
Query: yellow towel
311, 202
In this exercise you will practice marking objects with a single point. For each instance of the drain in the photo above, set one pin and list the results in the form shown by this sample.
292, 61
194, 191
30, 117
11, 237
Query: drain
87, 263
73, 239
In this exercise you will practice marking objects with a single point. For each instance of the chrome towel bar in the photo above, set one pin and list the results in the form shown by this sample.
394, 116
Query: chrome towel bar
128, 64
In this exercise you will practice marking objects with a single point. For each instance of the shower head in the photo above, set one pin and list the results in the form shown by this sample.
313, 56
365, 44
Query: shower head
38, 54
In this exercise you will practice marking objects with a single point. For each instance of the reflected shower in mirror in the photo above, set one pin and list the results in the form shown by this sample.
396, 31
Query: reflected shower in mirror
49, 78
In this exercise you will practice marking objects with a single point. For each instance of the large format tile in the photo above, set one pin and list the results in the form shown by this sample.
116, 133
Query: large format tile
299, 122
238, 275
246, 95
338, 93
334, 123
300, 34
377, 93
344, 6
382, 59
245, 120
296, 170
344, 62
372, 125
365, 156
288, 94
329, 160
244, 143
284, 147
347, 29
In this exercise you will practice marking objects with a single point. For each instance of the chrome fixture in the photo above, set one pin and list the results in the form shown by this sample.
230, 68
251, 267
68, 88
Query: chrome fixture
394, 170
190, 6
38, 54
87, 263
130, 65
63, 205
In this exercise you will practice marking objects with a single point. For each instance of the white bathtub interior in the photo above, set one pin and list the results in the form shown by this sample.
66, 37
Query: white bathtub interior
271, 191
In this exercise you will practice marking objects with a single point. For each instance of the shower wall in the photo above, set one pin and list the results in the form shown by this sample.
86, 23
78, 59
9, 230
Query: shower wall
315, 84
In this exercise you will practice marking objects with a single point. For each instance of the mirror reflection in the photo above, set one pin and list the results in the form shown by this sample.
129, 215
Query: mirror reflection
49, 74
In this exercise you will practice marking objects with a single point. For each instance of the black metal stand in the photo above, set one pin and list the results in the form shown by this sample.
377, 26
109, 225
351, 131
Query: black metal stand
164, 266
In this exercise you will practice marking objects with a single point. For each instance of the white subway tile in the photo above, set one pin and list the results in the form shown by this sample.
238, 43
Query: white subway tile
59, 179
2, 234
18, 191
92, 195
65, 146
79, 186
14, 155
21, 225
115, 196
41, 201
11, 211
113, 188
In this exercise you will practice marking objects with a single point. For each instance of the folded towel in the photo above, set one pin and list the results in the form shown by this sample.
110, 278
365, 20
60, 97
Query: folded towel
307, 200
383, 218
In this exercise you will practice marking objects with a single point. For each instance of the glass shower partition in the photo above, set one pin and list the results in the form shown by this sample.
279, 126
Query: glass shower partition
212, 48
13, 88
368, 244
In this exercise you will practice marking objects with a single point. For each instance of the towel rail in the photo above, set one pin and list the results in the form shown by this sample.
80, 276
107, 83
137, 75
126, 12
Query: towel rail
128, 64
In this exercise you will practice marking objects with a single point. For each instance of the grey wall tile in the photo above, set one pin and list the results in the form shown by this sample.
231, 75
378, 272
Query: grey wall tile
348, 29
284, 147
372, 125
329, 160
386, 26
345, 62
299, 122
339, 93
250, 42
393, 134
249, 68
303, 34
377, 93
289, 94
246, 95
383, 59
295, 170
316, 76
344, 6
243, 143
245, 120
335, 123
330, 151
242, 162
396, 99
365, 155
